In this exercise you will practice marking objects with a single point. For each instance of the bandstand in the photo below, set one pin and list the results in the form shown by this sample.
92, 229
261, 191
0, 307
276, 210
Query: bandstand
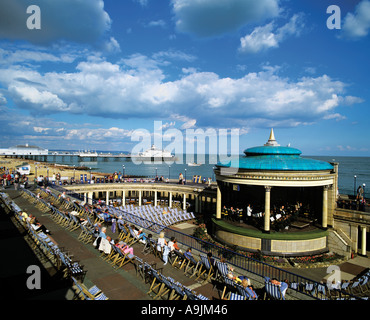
276, 180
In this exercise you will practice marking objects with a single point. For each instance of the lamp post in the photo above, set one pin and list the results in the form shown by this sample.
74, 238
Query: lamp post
169, 172
354, 185
185, 174
155, 172
90, 175
123, 171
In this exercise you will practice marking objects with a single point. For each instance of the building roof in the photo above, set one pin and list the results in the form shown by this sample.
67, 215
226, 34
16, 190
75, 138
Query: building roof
273, 157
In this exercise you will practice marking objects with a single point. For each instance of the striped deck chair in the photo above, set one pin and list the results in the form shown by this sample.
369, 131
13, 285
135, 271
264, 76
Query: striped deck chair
321, 290
235, 296
123, 259
179, 261
273, 291
92, 293
178, 290
191, 266
157, 287
229, 287
189, 294
206, 269
248, 293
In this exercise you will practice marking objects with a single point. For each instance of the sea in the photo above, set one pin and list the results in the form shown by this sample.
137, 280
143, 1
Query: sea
353, 171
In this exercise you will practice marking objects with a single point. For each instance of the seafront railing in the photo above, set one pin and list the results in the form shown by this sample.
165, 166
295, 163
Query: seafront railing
263, 270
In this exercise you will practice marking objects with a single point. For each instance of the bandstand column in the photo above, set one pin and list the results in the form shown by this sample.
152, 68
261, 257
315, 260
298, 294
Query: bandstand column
267, 209
155, 198
139, 197
218, 203
90, 196
325, 207
170, 200
123, 197
184, 202
85, 197
363, 242
107, 198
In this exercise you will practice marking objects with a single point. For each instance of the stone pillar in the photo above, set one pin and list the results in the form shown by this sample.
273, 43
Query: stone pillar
155, 198
139, 197
170, 200
123, 197
90, 196
267, 209
325, 207
184, 202
363, 242
218, 203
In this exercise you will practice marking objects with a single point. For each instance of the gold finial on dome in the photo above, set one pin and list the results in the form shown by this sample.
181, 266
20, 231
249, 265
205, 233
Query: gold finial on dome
272, 141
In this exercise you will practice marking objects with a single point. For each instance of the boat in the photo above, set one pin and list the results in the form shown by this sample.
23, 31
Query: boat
193, 164
153, 153
87, 153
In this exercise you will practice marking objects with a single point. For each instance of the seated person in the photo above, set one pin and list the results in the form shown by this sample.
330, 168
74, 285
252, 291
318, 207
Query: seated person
188, 254
124, 247
246, 284
140, 235
283, 285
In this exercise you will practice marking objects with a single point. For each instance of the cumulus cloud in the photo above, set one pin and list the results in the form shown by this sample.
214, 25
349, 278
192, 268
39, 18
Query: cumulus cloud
269, 36
137, 87
209, 18
357, 25
71, 20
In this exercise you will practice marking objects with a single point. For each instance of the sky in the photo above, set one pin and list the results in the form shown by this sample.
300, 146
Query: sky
107, 75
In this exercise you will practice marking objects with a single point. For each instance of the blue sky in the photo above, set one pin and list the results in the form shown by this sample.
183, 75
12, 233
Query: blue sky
97, 72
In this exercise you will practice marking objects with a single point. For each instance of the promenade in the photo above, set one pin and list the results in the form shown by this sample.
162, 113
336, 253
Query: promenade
117, 284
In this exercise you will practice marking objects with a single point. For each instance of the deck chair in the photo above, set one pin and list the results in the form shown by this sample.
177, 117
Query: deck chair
124, 234
86, 293
321, 290
206, 269
179, 261
234, 296
157, 286
133, 237
189, 294
229, 286
178, 290
191, 266
140, 267
123, 259
273, 291
168, 288
246, 292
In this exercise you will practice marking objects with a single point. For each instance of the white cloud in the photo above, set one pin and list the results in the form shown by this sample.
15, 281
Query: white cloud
357, 25
268, 36
209, 18
137, 88
157, 23
261, 38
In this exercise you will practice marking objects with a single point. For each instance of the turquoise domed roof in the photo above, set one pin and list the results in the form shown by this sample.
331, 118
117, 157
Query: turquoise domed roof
274, 157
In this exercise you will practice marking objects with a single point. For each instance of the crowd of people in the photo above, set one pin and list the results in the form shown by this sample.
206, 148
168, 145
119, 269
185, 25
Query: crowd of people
281, 216
9, 178
358, 204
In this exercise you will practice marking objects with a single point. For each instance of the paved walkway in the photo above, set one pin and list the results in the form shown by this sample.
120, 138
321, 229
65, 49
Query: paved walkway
121, 284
